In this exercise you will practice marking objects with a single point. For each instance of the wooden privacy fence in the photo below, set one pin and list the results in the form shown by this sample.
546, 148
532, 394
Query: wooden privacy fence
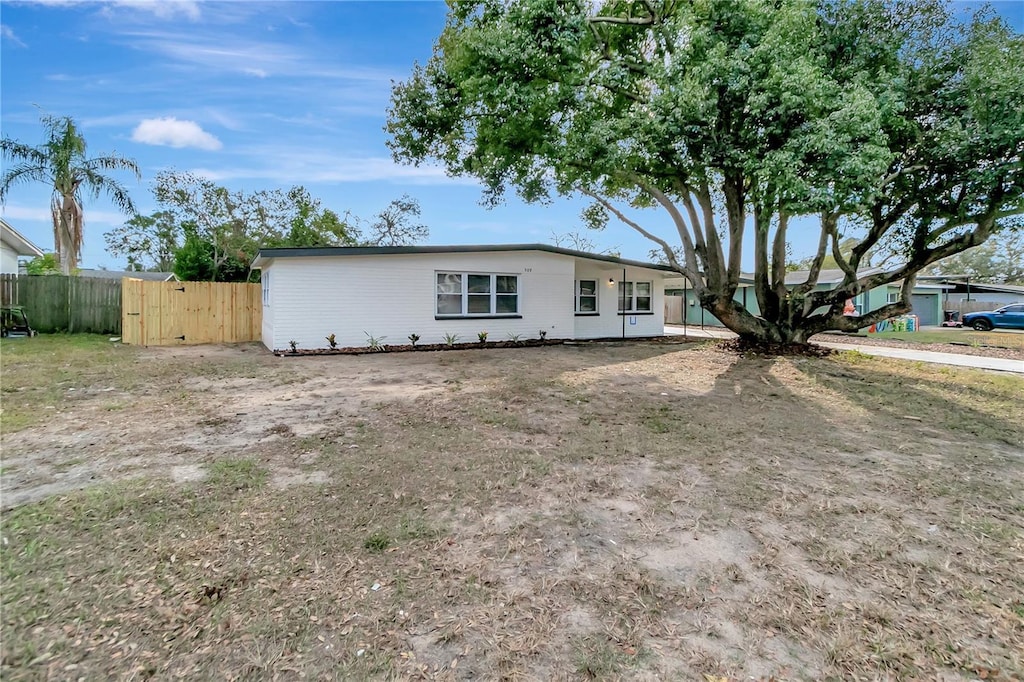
673, 310
178, 313
58, 303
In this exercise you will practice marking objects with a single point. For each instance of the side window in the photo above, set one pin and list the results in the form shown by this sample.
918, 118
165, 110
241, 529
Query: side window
635, 297
586, 296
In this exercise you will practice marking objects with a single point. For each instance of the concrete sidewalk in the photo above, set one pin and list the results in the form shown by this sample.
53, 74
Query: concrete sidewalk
957, 359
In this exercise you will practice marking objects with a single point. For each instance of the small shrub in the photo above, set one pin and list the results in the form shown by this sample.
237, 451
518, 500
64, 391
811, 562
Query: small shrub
514, 338
376, 343
413, 338
451, 339
543, 334
482, 336
378, 541
333, 342
294, 345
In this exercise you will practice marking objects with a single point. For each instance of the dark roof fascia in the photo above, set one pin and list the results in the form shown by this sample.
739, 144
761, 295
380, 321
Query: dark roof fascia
471, 248
960, 287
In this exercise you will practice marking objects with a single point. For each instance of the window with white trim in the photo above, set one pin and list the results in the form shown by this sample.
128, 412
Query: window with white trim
265, 277
470, 294
635, 297
892, 297
586, 296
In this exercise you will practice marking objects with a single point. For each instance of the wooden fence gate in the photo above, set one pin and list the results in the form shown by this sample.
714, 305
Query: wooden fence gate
178, 313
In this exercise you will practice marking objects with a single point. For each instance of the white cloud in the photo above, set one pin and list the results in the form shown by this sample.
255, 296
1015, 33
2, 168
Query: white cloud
42, 214
8, 34
217, 53
312, 167
162, 9
170, 132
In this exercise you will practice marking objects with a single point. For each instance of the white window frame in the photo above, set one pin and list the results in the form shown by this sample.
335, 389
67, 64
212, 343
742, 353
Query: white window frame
892, 297
265, 278
492, 312
595, 296
632, 309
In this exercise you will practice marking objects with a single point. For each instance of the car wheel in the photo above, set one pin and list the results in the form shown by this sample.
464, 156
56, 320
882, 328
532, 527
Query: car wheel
982, 325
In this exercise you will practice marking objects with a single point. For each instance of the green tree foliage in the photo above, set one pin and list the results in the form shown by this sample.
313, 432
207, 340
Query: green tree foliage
148, 242
225, 228
61, 162
397, 224
47, 264
195, 261
733, 117
1000, 260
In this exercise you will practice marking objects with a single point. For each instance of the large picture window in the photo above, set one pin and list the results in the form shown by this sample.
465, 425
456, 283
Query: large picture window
586, 296
635, 297
468, 294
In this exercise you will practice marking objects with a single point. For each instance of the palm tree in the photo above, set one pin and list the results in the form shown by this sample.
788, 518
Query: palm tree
61, 162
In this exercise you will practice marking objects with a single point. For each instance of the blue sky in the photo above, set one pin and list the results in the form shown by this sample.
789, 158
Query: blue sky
254, 95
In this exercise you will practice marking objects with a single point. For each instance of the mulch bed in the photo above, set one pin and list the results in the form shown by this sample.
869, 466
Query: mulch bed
527, 343
743, 347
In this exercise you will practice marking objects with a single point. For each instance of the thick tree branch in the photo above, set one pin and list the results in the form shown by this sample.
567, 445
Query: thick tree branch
691, 270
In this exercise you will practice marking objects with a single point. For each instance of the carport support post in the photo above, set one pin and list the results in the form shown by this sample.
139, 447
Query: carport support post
686, 303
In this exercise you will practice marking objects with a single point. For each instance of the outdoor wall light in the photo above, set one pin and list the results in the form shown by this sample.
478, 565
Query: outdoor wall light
611, 280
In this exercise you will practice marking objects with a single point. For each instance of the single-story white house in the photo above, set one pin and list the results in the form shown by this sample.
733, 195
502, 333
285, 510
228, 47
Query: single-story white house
12, 245
515, 289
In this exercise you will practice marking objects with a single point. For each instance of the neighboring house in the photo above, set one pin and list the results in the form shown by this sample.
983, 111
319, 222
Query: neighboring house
926, 299
118, 274
958, 291
12, 245
392, 292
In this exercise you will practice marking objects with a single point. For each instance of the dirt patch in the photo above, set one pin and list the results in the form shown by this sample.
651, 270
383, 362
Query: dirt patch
600, 511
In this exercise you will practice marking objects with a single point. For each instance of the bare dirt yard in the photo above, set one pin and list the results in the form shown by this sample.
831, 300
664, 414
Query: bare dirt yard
598, 511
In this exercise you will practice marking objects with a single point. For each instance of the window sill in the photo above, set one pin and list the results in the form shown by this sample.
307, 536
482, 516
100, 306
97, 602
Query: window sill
634, 314
478, 317
588, 314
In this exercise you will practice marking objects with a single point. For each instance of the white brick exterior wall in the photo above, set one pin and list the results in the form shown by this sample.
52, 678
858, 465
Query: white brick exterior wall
391, 296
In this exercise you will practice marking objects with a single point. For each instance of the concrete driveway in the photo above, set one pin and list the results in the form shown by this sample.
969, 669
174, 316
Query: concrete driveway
975, 361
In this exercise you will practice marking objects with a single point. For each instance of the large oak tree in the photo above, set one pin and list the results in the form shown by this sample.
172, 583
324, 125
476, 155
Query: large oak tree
887, 120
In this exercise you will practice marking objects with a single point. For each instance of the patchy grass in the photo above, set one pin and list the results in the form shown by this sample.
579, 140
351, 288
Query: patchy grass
956, 335
41, 374
591, 512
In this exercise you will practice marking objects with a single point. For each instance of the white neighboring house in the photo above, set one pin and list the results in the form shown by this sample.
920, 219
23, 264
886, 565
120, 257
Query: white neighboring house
515, 289
12, 245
